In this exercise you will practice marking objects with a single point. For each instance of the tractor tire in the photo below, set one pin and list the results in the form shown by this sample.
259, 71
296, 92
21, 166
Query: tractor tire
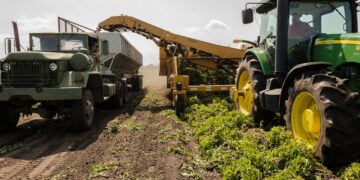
117, 101
82, 115
180, 104
251, 80
9, 118
322, 112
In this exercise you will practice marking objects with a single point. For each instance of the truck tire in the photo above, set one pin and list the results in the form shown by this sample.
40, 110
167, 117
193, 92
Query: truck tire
117, 101
322, 112
125, 90
47, 115
250, 80
137, 83
9, 118
180, 104
140, 83
82, 115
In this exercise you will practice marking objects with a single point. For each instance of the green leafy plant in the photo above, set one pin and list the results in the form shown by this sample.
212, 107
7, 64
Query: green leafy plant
103, 170
230, 143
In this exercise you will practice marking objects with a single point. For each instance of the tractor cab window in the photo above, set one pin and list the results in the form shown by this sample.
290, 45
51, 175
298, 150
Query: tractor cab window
338, 20
268, 31
44, 42
310, 18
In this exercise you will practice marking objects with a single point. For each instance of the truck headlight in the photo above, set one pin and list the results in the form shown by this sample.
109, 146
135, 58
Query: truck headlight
53, 66
6, 67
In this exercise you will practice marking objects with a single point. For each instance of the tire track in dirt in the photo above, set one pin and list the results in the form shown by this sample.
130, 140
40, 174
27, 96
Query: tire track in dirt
13, 166
47, 145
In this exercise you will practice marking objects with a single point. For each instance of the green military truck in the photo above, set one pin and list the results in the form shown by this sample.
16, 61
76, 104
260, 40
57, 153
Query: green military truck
67, 74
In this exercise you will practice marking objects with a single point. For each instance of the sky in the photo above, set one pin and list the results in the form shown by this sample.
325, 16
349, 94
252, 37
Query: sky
209, 20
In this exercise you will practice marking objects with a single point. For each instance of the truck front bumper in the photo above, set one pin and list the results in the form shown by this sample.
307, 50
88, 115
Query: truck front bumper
45, 94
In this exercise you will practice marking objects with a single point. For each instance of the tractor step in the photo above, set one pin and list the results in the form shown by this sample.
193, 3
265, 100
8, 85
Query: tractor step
270, 99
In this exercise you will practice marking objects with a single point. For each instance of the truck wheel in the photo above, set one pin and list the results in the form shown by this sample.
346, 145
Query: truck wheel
250, 80
125, 90
117, 101
83, 112
135, 83
179, 104
323, 113
9, 118
140, 83
47, 115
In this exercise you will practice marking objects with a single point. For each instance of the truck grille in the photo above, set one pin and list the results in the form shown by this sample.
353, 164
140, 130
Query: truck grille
29, 73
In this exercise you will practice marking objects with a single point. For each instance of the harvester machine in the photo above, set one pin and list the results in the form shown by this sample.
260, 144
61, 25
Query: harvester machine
175, 49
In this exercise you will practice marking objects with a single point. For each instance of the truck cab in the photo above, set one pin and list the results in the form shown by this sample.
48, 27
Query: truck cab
67, 74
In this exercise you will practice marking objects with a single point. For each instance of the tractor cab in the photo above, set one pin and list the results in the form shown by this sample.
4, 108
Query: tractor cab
300, 23
305, 69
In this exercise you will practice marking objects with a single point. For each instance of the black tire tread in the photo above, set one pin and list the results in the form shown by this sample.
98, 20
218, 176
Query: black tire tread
258, 81
340, 138
8, 119
78, 112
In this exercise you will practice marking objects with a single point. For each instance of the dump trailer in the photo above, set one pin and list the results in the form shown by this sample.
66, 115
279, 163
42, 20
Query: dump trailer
306, 68
175, 49
68, 73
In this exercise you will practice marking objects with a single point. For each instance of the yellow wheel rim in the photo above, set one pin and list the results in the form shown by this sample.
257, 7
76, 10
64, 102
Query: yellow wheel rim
245, 100
305, 119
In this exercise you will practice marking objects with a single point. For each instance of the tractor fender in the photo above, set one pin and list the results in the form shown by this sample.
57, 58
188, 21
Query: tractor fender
297, 71
263, 57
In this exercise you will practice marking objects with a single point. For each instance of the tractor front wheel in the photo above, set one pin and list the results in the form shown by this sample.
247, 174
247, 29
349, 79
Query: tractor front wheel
322, 112
250, 80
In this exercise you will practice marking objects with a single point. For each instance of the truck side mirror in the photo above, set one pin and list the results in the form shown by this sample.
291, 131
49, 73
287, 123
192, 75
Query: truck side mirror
247, 16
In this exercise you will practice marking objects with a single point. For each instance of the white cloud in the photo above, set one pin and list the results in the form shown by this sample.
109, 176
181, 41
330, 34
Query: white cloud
217, 25
45, 23
192, 30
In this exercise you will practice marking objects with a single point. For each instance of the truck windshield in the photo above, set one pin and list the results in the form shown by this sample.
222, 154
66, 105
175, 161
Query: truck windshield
71, 42
68, 42
44, 42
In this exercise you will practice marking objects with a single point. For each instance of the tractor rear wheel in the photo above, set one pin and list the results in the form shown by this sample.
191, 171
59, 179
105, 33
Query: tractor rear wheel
250, 80
322, 112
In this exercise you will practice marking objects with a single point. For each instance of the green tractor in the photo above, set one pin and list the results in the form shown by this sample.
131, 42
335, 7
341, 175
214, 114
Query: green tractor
305, 68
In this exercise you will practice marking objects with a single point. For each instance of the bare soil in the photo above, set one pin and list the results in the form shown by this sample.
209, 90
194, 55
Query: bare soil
143, 140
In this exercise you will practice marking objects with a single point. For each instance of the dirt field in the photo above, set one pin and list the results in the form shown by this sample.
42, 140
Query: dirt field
143, 140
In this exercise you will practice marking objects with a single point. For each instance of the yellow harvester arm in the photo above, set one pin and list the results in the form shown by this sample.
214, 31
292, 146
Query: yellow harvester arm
173, 45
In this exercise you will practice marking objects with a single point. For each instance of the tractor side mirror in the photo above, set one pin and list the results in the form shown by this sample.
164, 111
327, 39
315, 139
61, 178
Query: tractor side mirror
247, 16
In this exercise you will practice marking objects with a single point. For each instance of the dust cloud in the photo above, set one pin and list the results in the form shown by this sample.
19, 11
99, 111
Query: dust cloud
151, 79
